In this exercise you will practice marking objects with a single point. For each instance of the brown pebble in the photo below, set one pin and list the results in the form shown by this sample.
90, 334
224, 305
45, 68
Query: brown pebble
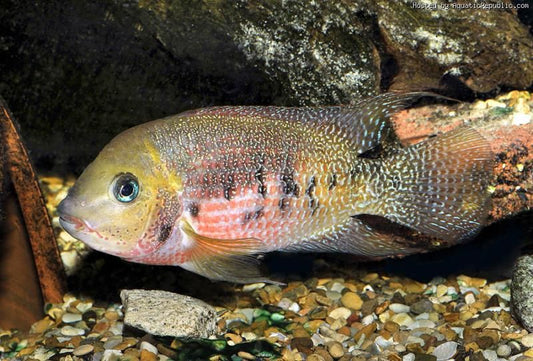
233, 337
345, 330
83, 350
424, 357
335, 349
352, 300
325, 354
414, 348
148, 356
303, 344
318, 313
132, 354
111, 315
484, 342
315, 357
323, 300
391, 326
394, 357
164, 350
366, 330
245, 355
126, 343
369, 307
477, 356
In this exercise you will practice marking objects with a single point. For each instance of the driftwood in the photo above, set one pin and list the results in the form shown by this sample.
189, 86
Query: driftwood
31, 270
508, 126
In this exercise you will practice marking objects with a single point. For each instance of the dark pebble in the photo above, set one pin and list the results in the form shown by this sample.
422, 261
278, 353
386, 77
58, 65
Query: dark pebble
397, 298
422, 306
477, 356
303, 344
369, 306
484, 342
425, 357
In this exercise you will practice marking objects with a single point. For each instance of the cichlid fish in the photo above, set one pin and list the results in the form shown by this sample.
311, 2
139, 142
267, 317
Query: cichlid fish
210, 189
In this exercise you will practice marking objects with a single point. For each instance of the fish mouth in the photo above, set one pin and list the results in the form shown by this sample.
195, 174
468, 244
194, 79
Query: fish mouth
71, 223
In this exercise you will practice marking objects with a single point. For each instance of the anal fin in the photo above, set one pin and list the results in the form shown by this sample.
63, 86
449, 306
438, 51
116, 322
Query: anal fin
366, 238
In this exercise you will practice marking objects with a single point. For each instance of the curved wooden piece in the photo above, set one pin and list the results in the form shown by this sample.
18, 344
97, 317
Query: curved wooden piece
46, 255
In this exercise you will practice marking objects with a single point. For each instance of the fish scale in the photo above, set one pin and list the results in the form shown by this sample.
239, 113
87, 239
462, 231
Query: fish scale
210, 189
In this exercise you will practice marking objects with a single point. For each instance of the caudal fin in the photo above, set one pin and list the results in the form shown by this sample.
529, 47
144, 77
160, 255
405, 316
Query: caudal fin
439, 187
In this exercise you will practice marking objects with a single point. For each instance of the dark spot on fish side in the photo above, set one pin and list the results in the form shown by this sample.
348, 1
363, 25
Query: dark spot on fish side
353, 173
314, 206
164, 233
227, 193
396, 182
260, 178
289, 186
283, 203
252, 216
193, 209
229, 185
332, 181
309, 192
310, 187
262, 190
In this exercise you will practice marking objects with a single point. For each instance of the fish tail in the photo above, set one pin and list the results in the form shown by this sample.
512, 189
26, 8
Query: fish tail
439, 187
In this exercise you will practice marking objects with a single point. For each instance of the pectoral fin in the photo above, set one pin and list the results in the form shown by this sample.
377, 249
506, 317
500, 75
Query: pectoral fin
232, 260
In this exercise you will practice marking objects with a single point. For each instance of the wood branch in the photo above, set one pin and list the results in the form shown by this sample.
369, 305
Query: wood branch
37, 222
507, 123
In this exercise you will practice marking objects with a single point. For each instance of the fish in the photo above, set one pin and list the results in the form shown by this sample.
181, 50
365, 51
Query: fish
213, 189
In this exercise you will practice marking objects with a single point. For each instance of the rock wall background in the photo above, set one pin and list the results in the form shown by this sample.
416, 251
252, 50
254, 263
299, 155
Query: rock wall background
76, 73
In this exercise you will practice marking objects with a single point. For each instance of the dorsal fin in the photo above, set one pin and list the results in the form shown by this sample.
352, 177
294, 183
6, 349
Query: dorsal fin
364, 124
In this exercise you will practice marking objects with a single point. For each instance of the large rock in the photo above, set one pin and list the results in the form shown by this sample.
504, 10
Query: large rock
522, 291
75, 74
165, 313
483, 48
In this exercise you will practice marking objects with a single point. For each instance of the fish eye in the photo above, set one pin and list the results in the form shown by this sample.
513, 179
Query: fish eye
125, 187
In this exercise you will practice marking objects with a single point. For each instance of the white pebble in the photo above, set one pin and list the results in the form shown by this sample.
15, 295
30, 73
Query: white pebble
521, 119
340, 312
400, 348
469, 299
117, 328
294, 307
71, 331
490, 355
409, 357
337, 287
253, 286
503, 351
421, 324
284, 303
414, 339
527, 340
84, 306
71, 317
111, 355
399, 308
249, 336
445, 351
383, 343
402, 319
367, 320
317, 339
148, 347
